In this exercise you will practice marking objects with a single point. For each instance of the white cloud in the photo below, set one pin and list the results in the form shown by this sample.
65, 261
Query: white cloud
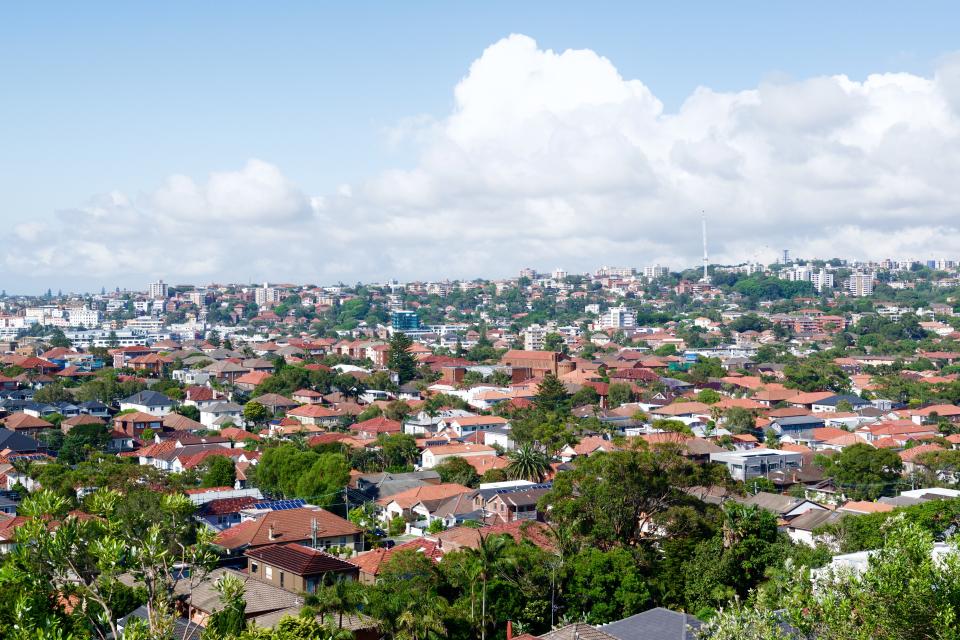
554, 159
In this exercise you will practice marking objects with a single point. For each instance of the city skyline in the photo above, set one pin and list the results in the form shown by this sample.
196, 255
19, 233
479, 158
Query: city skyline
556, 144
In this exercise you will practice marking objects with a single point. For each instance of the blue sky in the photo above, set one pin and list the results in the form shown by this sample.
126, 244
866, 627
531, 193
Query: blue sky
106, 96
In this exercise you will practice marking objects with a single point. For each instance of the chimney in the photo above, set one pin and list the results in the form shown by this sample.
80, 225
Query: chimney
509, 630
270, 535
313, 532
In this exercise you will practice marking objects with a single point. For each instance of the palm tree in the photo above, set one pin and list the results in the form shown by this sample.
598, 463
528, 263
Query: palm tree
487, 558
528, 463
423, 622
339, 596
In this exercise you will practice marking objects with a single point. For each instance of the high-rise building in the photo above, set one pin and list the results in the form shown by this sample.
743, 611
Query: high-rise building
860, 284
403, 320
617, 318
158, 290
559, 274
821, 280
266, 296
533, 337
654, 272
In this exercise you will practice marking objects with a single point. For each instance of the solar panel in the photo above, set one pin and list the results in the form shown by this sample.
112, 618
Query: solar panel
280, 505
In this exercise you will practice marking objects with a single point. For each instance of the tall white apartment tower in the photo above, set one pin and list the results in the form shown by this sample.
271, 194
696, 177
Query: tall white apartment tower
158, 290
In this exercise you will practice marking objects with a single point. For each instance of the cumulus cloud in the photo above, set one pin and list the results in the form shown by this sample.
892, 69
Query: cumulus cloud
553, 158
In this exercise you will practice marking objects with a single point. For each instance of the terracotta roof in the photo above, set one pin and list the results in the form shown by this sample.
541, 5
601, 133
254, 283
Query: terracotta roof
380, 424
299, 559
292, 525
18, 421
410, 497
863, 506
909, 455
372, 561
312, 411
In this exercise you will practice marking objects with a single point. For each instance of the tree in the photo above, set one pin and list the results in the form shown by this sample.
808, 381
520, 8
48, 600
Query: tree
619, 393
189, 411
609, 498
486, 556
603, 586
255, 412
52, 393
554, 342
230, 620
156, 548
709, 396
551, 394
458, 471
905, 591
585, 396
81, 440
218, 471
324, 481
399, 450
399, 358
863, 472
528, 463
816, 375
406, 588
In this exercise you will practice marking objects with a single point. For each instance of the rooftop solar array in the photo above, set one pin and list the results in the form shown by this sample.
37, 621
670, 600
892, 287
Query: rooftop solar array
280, 505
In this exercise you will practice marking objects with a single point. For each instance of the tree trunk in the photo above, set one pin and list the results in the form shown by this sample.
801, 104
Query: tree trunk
483, 612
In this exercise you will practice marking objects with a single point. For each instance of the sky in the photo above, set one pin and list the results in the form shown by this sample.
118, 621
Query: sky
338, 142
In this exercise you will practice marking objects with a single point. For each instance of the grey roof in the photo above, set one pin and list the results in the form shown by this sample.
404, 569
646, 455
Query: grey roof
149, 399
223, 407
261, 598
792, 421
183, 629
18, 442
654, 624
577, 631
854, 401
815, 518
774, 502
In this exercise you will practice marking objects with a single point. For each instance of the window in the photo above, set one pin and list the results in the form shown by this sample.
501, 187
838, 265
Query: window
268, 573
253, 567
281, 578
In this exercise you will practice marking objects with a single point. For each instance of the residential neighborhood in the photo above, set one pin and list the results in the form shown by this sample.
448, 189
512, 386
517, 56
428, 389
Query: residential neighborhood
308, 438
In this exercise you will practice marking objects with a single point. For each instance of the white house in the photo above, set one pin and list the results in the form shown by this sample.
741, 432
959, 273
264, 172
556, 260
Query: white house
151, 402
214, 416
434, 455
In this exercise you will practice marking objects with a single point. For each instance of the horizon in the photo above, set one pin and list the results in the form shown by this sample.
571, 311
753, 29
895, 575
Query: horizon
333, 149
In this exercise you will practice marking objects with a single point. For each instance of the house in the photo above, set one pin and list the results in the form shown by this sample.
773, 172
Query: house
95, 408
374, 427
276, 403
653, 624
307, 396
517, 505
264, 602
435, 454
785, 507
315, 415
296, 567
150, 402
419, 503
370, 562
26, 424
755, 463
133, 424
829, 405
76, 421
464, 426
223, 513
250, 380
799, 428
215, 416
313, 526
16, 442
